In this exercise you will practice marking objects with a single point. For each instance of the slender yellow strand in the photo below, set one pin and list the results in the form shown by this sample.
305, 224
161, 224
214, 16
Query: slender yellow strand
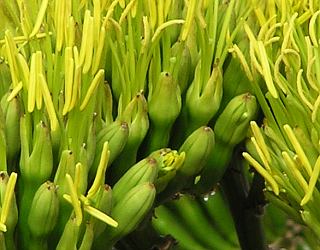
300, 90
165, 25
60, 25
297, 146
85, 37
77, 175
311, 61
54, 123
312, 29
315, 109
152, 13
264, 28
32, 84
96, 20
261, 155
260, 140
75, 200
260, 16
69, 69
98, 52
271, 40
126, 11
266, 70
15, 91
243, 62
295, 170
306, 15
270, 32
24, 69
76, 87
89, 47
189, 20
109, 13
101, 171
277, 74
96, 80
8, 196
39, 19
312, 182
254, 61
38, 70
101, 216
70, 32
11, 53
3, 227
268, 177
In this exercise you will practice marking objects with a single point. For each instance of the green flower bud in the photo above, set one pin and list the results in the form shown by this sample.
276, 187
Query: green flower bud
232, 124
44, 210
69, 237
144, 171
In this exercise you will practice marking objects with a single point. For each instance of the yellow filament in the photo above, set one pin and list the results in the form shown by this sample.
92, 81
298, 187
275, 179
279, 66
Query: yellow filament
261, 155
101, 216
99, 179
74, 199
312, 29
312, 182
126, 11
165, 25
243, 62
266, 70
295, 170
41, 13
8, 197
268, 177
32, 84
300, 90
54, 123
300, 153
96, 80
15, 92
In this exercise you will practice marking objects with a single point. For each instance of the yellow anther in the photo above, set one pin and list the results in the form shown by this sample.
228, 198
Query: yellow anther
15, 92
100, 215
74, 199
312, 182
8, 198
41, 13
297, 146
99, 179
268, 177
300, 90
94, 84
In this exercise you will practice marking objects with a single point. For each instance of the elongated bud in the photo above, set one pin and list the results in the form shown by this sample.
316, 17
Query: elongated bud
164, 107
66, 166
12, 129
39, 165
129, 212
182, 71
44, 210
3, 146
144, 171
136, 116
203, 98
103, 202
197, 148
236, 117
116, 135
69, 237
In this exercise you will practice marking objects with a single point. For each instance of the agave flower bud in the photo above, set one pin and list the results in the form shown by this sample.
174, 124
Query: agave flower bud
3, 144
44, 211
136, 116
69, 237
117, 135
12, 128
203, 98
129, 212
236, 117
164, 107
144, 171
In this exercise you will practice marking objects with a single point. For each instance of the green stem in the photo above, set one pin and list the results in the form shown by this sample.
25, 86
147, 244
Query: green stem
245, 209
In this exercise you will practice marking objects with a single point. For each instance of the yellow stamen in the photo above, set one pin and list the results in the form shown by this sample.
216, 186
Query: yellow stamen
295, 143
295, 171
126, 11
8, 198
260, 140
165, 25
312, 29
268, 177
243, 62
101, 216
94, 84
99, 179
300, 90
14, 92
74, 199
32, 84
312, 182
41, 13
54, 123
